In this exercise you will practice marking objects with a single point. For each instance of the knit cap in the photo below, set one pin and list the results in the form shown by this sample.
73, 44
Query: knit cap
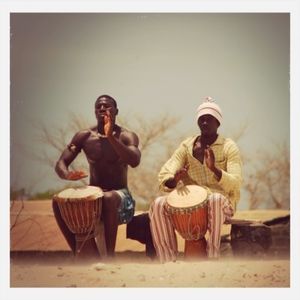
209, 107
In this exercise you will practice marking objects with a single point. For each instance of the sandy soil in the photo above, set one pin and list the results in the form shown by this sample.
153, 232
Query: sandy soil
135, 270
41, 258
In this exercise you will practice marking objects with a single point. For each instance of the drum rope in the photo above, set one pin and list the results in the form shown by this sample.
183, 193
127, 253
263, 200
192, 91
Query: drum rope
88, 234
190, 234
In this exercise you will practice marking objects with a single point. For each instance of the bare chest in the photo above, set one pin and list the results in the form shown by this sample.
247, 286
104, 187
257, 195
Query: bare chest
99, 150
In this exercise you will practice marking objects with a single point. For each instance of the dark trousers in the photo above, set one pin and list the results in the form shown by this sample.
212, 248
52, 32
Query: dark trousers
139, 229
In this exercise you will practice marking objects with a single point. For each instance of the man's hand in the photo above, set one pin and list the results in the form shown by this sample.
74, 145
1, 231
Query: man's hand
76, 175
108, 124
209, 157
210, 160
181, 173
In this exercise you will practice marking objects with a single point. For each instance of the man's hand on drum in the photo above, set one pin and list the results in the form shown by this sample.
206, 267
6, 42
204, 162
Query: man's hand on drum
76, 175
181, 173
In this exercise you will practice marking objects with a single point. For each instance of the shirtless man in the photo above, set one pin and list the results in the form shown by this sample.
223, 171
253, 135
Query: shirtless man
109, 150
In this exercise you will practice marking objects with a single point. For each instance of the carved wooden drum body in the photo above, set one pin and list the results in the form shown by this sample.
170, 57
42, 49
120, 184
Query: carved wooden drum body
187, 207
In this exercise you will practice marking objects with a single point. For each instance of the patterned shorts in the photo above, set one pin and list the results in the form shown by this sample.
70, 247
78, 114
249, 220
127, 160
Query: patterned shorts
127, 205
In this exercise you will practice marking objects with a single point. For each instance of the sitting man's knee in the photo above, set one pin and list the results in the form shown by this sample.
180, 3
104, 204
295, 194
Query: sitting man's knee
216, 197
111, 200
158, 201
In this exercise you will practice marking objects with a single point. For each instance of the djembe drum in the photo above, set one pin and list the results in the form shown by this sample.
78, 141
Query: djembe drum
81, 208
187, 207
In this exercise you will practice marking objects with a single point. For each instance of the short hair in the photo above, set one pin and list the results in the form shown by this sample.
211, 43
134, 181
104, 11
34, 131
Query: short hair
108, 97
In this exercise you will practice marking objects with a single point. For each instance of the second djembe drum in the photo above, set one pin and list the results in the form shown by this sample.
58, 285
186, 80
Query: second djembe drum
187, 207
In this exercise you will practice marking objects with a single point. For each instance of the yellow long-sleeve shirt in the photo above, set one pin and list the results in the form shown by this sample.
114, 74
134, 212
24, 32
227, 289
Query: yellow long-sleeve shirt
227, 158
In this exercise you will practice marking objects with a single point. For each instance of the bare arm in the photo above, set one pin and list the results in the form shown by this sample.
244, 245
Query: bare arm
67, 157
63, 163
127, 148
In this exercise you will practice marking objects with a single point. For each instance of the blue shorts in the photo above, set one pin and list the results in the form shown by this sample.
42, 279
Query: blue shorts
126, 208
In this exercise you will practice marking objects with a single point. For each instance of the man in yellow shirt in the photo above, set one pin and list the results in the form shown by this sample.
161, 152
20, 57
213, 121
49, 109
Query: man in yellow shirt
207, 160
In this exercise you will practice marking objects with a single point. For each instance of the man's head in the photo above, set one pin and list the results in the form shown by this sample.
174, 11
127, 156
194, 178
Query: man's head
209, 116
105, 104
106, 97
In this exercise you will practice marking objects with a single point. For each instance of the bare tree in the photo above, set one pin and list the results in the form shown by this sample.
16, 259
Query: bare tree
55, 140
269, 182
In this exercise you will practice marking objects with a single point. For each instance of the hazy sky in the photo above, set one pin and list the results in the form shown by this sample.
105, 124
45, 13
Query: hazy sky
151, 64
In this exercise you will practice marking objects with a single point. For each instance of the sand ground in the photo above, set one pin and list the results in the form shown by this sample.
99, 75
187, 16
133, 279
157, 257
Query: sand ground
133, 269
40, 257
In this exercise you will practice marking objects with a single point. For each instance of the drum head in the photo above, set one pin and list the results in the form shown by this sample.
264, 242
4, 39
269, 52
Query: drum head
86, 192
187, 196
